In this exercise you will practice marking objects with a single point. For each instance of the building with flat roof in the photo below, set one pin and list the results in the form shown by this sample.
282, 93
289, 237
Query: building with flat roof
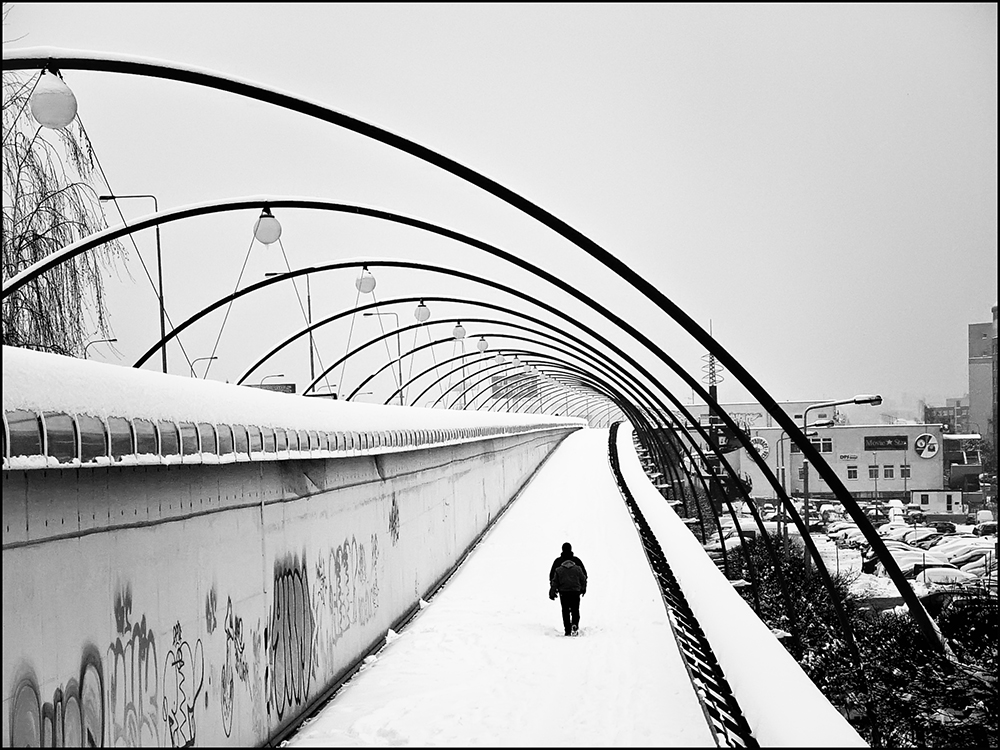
981, 397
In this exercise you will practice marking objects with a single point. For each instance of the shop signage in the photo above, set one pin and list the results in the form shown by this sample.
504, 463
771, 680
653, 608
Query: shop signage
761, 446
886, 443
848, 457
926, 445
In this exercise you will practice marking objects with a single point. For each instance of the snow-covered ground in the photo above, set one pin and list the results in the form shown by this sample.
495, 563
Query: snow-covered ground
486, 663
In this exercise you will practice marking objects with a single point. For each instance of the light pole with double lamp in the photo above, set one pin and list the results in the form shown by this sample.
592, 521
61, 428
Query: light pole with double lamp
872, 399
159, 266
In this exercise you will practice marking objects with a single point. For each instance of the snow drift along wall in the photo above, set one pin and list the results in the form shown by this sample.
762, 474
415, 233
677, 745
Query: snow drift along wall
210, 604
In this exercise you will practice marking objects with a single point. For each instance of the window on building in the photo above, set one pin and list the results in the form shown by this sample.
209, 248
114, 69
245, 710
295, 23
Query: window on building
947, 503
925, 499
823, 445
888, 471
873, 471
802, 472
795, 448
904, 471
852, 472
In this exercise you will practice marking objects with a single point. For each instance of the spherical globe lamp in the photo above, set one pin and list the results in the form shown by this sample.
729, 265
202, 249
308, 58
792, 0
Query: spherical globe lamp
365, 283
458, 332
267, 230
422, 313
53, 104
481, 345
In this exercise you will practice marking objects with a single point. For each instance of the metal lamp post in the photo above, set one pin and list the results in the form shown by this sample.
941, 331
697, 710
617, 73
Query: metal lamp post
159, 265
199, 359
96, 341
309, 320
871, 399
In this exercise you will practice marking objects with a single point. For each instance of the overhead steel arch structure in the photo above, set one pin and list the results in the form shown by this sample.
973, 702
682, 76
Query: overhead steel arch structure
265, 202
54, 59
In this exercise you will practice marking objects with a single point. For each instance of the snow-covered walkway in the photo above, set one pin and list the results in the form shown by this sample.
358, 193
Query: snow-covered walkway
486, 663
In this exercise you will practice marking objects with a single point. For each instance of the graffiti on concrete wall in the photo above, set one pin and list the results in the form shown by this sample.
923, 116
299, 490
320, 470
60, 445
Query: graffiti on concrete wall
290, 638
235, 667
347, 592
133, 679
183, 675
75, 717
210, 608
394, 521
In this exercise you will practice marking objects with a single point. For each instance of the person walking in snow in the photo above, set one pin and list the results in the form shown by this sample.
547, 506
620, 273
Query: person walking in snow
568, 580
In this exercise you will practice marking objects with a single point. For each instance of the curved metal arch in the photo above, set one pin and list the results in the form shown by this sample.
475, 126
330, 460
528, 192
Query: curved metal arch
652, 439
610, 362
678, 478
47, 58
680, 372
582, 371
917, 611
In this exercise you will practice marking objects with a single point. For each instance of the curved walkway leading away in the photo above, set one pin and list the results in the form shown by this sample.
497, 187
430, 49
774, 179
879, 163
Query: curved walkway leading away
486, 663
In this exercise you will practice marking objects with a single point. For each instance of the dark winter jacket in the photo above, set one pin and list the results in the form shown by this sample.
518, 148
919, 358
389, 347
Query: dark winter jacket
569, 577
559, 561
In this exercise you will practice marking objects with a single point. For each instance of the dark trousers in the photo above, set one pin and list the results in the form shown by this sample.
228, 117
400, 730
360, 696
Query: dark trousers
570, 601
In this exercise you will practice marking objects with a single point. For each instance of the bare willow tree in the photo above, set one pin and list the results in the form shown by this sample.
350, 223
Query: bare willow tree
48, 203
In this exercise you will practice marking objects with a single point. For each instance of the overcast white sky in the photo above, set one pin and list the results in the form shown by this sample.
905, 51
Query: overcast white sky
819, 182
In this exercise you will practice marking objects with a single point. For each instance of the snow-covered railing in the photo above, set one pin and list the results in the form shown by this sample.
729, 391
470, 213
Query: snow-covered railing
65, 412
782, 706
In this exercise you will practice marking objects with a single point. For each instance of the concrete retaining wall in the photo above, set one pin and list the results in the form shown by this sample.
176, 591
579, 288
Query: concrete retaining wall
209, 605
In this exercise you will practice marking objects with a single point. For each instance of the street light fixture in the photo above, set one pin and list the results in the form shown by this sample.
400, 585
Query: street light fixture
159, 266
53, 104
96, 341
365, 283
199, 359
872, 399
267, 230
274, 375
399, 348
422, 313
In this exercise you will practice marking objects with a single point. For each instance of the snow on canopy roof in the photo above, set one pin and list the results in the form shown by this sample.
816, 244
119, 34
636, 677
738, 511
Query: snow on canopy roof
52, 382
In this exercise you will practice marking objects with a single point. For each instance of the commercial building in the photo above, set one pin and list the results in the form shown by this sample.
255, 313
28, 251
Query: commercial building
916, 464
981, 399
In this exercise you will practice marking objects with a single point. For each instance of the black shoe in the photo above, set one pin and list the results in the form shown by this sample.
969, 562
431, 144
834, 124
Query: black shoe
568, 633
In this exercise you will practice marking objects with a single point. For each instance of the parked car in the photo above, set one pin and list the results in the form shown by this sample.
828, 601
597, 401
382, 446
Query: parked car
985, 529
940, 575
943, 527
973, 555
840, 526
919, 534
926, 542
